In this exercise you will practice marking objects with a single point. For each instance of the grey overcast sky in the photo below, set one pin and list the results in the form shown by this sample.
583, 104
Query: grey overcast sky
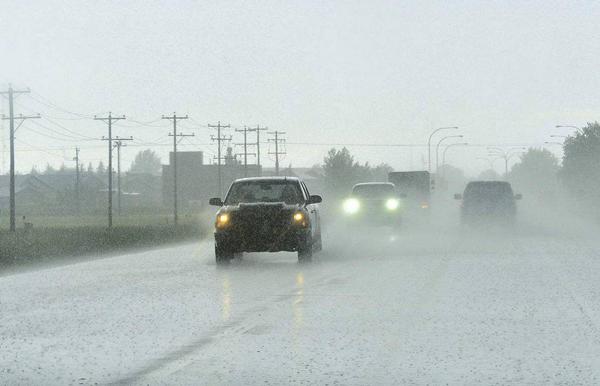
371, 72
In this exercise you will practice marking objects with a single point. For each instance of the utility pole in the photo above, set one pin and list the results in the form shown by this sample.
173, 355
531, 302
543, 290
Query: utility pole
77, 180
118, 145
109, 120
219, 138
258, 129
277, 141
245, 153
11, 117
175, 118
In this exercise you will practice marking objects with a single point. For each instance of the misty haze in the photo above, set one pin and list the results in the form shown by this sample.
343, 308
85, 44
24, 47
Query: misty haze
245, 193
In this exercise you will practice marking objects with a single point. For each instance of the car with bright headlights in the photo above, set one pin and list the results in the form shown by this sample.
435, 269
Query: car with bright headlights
373, 203
267, 214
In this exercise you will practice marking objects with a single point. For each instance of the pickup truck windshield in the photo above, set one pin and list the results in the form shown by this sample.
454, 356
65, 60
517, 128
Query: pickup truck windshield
490, 190
264, 191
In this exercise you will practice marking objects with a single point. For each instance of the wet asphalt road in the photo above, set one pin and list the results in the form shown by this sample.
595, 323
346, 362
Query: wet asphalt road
405, 308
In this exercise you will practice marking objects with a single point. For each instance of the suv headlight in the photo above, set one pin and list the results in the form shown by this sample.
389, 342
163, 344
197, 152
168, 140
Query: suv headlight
351, 205
392, 204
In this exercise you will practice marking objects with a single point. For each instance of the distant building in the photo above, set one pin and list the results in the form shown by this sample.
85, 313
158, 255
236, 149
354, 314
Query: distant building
141, 190
196, 181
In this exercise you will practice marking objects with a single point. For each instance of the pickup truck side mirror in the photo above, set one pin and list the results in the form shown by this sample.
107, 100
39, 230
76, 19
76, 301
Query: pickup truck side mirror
518, 196
216, 201
458, 196
314, 199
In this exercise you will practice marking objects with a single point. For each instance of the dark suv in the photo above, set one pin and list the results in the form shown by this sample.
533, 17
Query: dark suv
488, 200
267, 214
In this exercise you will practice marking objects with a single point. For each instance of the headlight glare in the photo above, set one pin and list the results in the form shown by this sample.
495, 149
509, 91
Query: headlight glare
392, 204
351, 205
222, 220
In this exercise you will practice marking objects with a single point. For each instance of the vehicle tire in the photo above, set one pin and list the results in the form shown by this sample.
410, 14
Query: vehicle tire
222, 256
319, 243
305, 250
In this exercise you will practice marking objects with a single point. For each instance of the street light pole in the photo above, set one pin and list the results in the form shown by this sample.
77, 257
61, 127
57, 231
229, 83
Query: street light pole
444, 155
429, 143
437, 149
449, 146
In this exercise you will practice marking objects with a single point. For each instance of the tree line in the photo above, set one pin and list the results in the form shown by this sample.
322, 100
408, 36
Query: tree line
145, 162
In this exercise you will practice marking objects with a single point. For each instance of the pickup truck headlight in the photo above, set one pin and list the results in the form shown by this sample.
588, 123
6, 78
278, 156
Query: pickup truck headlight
222, 220
351, 205
299, 219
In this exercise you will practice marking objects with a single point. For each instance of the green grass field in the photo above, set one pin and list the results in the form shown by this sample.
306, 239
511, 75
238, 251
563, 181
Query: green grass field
44, 221
60, 236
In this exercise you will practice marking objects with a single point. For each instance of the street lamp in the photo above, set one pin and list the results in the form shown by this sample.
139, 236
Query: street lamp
429, 143
437, 149
448, 147
444, 154
506, 155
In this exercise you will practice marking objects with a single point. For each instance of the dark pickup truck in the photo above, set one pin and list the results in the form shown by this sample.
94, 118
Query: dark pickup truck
267, 214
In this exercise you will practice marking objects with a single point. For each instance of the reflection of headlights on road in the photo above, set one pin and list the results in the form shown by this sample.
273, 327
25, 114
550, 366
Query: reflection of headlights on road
351, 205
392, 204
222, 220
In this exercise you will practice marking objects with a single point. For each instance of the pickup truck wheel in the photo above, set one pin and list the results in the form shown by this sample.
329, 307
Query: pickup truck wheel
222, 256
319, 243
305, 250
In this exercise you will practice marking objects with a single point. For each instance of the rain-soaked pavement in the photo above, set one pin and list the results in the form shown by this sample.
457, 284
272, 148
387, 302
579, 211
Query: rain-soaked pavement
406, 308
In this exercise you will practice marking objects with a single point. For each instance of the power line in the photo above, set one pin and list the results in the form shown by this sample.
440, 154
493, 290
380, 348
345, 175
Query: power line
35, 148
65, 137
52, 105
68, 130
